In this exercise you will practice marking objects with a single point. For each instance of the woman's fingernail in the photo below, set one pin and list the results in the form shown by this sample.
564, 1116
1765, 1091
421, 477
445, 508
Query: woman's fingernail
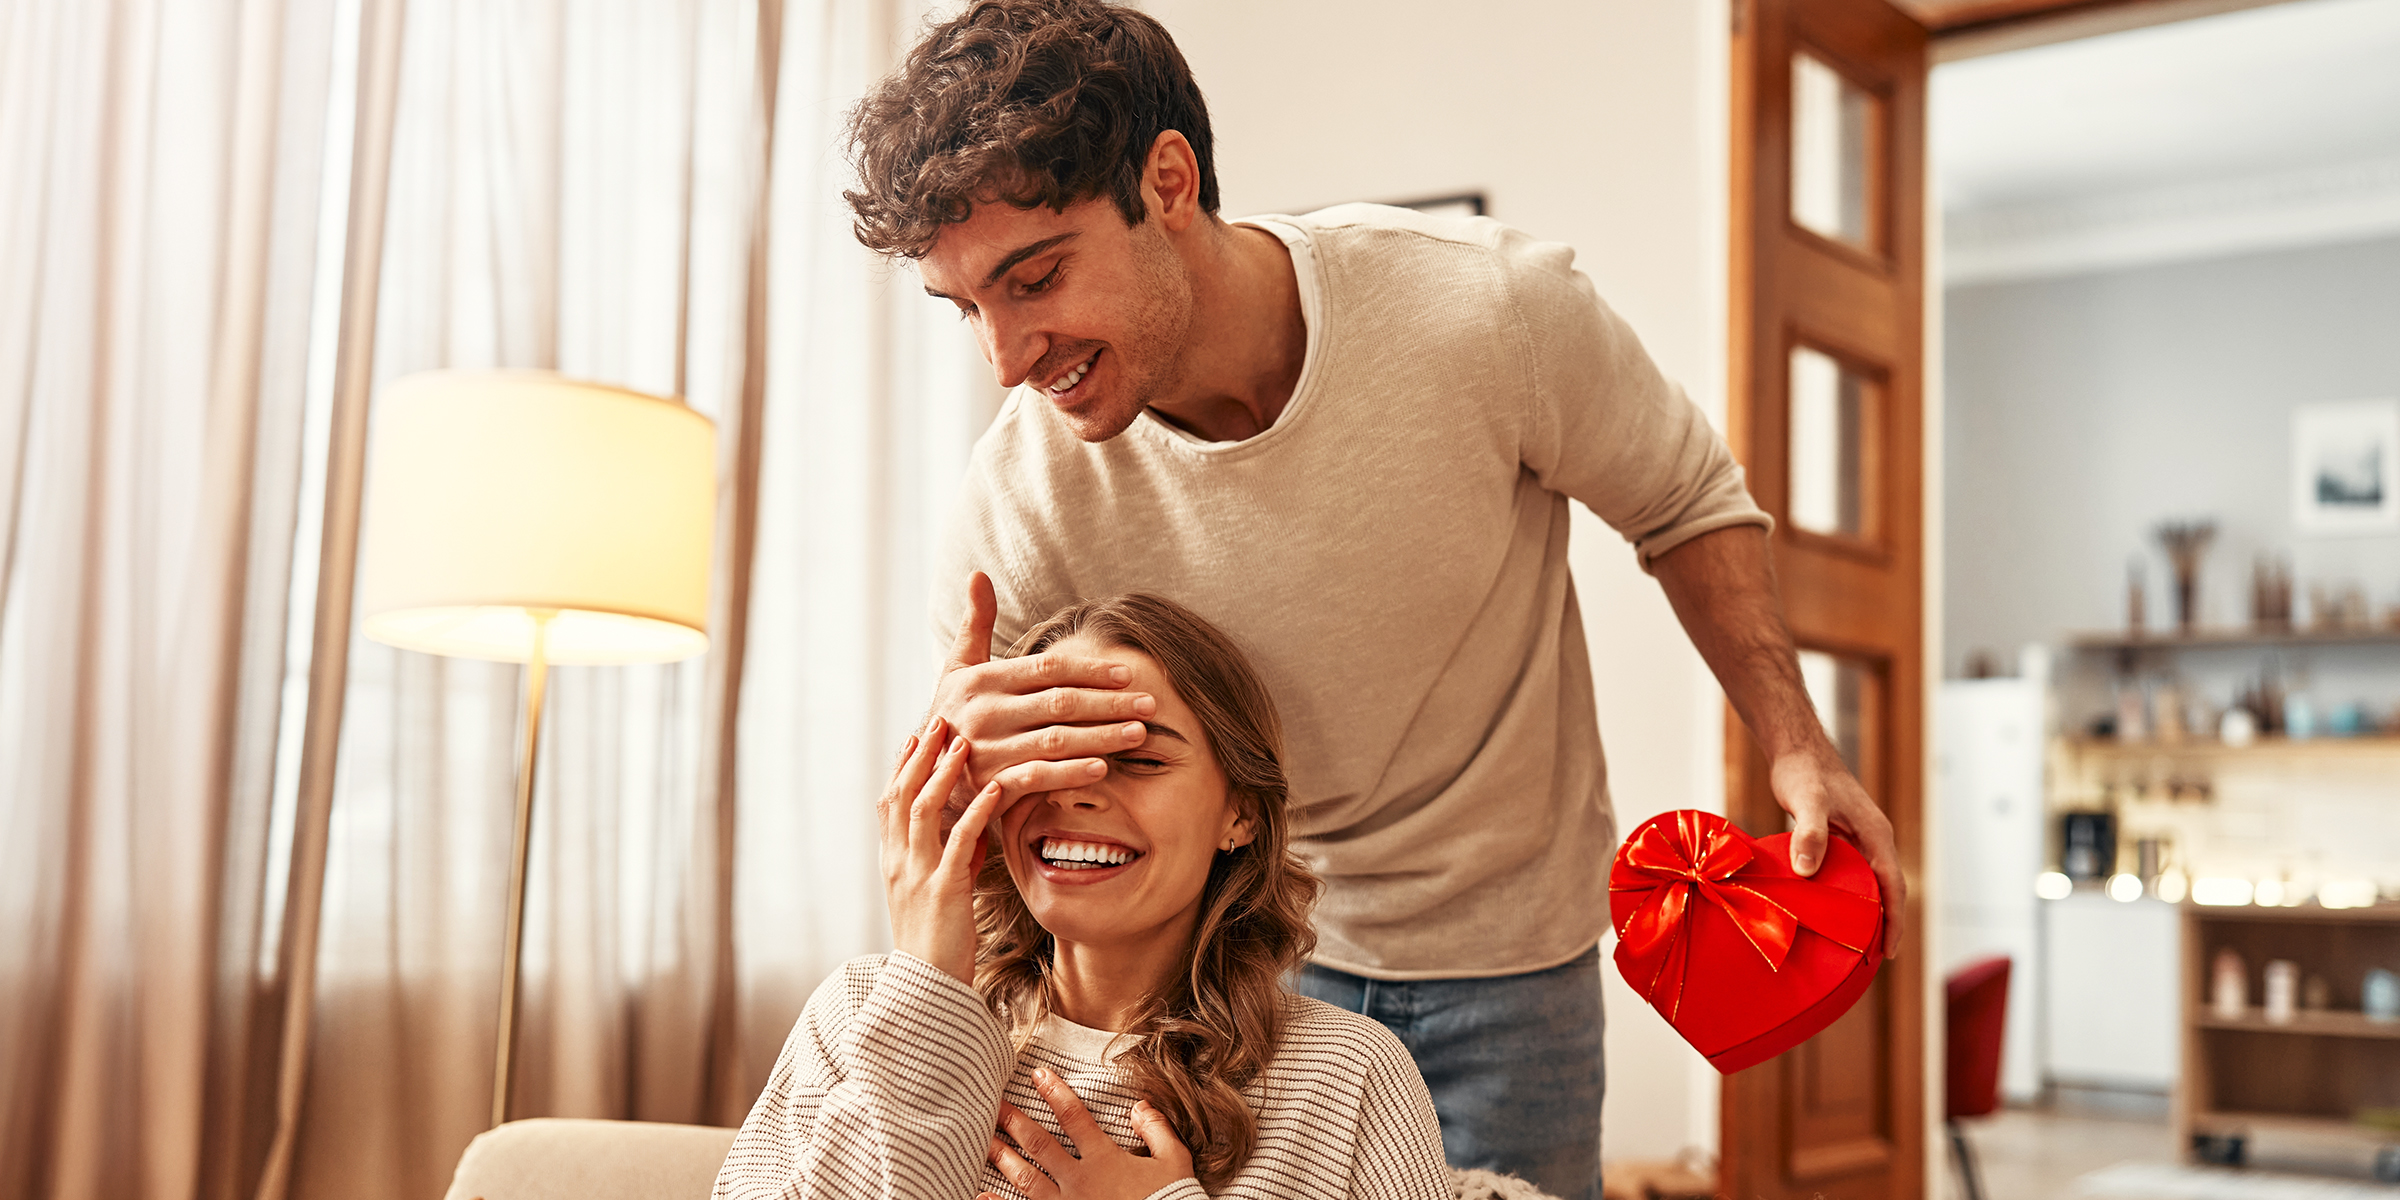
1136, 731
1120, 675
958, 747
1095, 769
1145, 705
1041, 1075
1805, 862
910, 748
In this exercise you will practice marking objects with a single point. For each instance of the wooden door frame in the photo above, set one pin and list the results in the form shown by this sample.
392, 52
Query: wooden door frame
1861, 598
1969, 29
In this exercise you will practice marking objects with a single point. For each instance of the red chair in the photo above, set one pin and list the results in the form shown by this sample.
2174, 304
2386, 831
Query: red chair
1975, 1016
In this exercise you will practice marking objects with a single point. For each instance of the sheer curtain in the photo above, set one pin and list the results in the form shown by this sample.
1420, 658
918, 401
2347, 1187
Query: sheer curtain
875, 395
550, 207
157, 237
574, 184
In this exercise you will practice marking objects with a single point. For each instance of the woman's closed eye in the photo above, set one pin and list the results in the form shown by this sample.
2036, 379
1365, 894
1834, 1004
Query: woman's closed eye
1141, 764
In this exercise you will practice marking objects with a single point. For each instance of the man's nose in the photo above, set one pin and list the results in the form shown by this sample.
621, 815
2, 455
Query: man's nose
1012, 347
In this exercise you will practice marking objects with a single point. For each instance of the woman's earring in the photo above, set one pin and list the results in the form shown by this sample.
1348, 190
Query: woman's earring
1228, 845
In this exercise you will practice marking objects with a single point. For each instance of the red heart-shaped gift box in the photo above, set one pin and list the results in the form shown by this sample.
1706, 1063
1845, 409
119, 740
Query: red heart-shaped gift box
1744, 957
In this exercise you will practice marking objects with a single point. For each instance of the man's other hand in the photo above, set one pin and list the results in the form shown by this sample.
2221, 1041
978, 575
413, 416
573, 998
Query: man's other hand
1820, 793
1038, 723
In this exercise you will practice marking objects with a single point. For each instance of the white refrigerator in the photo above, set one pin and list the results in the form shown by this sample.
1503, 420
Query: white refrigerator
1988, 748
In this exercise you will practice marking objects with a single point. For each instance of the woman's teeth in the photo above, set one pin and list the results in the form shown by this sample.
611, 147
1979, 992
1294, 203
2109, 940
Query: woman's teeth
1084, 856
1066, 383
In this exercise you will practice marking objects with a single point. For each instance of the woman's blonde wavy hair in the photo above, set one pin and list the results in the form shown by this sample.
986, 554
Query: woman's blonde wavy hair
1210, 1032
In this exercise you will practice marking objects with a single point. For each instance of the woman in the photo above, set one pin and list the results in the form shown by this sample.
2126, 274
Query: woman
1095, 1011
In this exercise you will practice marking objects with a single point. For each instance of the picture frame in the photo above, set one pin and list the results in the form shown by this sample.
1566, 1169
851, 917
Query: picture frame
1463, 204
2346, 467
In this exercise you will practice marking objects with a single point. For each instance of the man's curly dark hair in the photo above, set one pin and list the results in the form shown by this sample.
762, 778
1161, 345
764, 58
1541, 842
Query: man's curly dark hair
1032, 102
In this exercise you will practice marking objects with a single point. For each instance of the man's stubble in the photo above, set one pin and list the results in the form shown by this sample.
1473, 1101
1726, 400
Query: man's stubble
1154, 358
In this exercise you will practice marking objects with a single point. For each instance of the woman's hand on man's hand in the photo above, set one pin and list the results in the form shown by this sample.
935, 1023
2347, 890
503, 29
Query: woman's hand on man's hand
929, 879
1042, 1169
1038, 723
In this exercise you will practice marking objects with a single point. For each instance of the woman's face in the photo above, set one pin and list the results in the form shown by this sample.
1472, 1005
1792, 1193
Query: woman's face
1125, 857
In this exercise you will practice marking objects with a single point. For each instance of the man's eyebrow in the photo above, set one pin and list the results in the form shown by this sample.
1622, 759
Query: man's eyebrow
1158, 730
1020, 254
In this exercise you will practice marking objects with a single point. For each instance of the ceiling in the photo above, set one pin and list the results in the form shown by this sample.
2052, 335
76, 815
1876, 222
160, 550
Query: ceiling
2293, 87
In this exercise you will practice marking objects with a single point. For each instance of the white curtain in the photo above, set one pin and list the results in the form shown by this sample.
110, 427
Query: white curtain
875, 395
574, 184
574, 187
159, 187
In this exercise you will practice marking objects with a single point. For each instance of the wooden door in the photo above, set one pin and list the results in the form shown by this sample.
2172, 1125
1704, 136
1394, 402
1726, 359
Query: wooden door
1826, 413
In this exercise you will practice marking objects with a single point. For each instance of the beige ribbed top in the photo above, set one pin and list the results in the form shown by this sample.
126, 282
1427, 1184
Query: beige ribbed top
1392, 553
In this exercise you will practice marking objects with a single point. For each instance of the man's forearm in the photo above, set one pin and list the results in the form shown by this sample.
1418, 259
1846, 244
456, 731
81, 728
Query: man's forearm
1722, 585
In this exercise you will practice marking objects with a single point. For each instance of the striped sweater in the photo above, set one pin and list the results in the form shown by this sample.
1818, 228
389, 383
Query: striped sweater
891, 1081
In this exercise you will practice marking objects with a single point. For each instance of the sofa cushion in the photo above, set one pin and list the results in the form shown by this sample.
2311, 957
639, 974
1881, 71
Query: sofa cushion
559, 1158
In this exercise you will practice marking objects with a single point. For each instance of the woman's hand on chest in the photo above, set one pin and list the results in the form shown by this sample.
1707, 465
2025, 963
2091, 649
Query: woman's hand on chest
1030, 1158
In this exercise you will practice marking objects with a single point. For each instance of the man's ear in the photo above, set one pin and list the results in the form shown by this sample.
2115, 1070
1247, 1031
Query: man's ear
1171, 182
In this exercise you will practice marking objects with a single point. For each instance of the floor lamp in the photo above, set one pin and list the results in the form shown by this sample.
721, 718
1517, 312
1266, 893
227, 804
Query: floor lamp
522, 517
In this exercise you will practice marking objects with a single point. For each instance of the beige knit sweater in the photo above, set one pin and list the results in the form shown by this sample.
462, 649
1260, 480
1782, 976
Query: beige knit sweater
1393, 555
891, 1081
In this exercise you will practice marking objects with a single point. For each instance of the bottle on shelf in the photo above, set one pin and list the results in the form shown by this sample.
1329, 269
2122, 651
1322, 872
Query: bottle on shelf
2281, 980
2229, 985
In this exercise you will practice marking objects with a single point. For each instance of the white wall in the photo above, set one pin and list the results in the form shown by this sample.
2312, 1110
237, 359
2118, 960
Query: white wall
1599, 123
2083, 410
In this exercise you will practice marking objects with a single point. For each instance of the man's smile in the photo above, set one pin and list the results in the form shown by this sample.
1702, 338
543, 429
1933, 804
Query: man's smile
1066, 383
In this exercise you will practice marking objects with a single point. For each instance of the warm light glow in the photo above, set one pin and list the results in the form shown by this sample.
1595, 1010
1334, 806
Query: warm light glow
2347, 893
2221, 891
2050, 885
2268, 894
2170, 886
2124, 889
494, 495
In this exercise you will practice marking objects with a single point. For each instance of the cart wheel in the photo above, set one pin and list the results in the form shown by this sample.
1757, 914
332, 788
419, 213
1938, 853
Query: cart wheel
2218, 1149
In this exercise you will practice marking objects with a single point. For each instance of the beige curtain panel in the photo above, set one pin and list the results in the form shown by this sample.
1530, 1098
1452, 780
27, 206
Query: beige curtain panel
252, 866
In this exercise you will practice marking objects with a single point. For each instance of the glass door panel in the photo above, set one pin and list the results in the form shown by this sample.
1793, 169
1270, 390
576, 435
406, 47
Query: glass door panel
1833, 175
1832, 414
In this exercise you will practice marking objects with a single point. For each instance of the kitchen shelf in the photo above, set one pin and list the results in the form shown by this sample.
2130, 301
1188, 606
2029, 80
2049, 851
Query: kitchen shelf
2373, 914
2215, 639
2212, 750
2303, 1078
2304, 1023
2333, 1129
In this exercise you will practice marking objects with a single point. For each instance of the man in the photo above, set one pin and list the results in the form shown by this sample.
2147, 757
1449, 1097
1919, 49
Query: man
1349, 439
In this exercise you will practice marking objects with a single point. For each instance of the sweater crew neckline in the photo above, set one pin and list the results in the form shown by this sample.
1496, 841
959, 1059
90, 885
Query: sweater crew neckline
1307, 275
1084, 1043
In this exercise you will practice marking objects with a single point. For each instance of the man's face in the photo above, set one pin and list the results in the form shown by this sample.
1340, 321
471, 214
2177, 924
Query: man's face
1076, 304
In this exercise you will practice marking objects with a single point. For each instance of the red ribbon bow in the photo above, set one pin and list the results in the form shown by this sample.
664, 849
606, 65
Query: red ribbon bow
1701, 854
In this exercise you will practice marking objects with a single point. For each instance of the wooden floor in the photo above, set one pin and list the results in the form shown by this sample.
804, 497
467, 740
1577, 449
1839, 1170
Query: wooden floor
2054, 1150
2037, 1153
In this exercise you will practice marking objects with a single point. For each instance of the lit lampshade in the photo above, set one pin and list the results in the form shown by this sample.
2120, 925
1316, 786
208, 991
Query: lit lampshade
496, 495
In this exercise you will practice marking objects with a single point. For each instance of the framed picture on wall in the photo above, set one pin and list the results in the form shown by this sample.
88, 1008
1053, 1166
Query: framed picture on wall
1464, 204
2346, 467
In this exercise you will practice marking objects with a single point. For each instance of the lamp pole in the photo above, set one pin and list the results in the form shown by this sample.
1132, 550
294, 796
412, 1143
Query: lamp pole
537, 678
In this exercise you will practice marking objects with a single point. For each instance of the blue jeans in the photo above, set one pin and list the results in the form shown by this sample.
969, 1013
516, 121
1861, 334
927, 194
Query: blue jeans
1513, 1063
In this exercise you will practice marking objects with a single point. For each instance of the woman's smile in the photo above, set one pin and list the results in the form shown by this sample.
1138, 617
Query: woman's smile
1126, 856
1078, 859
